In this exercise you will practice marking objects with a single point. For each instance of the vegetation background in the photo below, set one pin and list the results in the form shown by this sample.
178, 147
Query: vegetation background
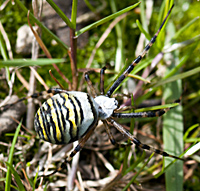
101, 166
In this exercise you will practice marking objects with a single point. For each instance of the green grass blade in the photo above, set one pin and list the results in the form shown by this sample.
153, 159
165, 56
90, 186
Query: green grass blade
143, 16
35, 180
143, 30
106, 19
61, 14
30, 62
178, 77
89, 5
162, 13
136, 175
173, 126
185, 27
173, 143
157, 107
143, 64
119, 54
3, 52
193, 149
17, 177
3, 48
169, 48
138, 78
189, 130
146, 96
10, 159
132, 124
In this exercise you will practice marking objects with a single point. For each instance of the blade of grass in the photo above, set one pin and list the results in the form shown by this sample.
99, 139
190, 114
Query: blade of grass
3, 48
182, 61
143, 16
119, 55
30, 62
173, 125
143, 30
138, 77
5, 56
185, 27
136, 175
35, 180
125, 162
17, 177
189, 130
10, 159
178, 77
61, 14
193, 149
162, 13
89, 5
106, 19
157, 107
179, 45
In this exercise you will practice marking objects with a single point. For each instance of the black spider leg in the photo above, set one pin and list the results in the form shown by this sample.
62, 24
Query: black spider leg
73, 153
157, 113
35, 95
81, 143
137, 60
138, 143
112, 140
102, 72
87, 78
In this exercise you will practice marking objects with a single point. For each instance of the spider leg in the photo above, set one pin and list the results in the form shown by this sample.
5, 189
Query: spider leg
138, 143
81, 144
76, 150
35, 95
102, 80
141, 114
137, 60
157, 113
87, 78
112, 140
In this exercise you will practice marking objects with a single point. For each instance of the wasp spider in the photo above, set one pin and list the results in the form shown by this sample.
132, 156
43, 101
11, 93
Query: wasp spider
70, 115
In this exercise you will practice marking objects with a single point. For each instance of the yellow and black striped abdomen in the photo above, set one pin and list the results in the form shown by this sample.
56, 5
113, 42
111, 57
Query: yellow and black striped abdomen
66, 117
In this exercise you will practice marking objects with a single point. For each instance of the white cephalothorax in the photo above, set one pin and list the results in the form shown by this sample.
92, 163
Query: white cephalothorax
106, 106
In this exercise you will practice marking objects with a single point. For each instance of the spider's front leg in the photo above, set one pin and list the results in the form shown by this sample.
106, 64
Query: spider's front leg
137, 60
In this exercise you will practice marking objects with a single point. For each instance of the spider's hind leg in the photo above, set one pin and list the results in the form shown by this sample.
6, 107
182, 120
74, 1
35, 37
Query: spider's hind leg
112, 140
73, 153
138, 143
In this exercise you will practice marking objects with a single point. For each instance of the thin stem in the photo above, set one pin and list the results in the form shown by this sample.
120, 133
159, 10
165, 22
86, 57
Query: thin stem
72, 53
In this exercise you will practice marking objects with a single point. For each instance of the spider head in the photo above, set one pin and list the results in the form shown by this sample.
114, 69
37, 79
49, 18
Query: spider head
105, 106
